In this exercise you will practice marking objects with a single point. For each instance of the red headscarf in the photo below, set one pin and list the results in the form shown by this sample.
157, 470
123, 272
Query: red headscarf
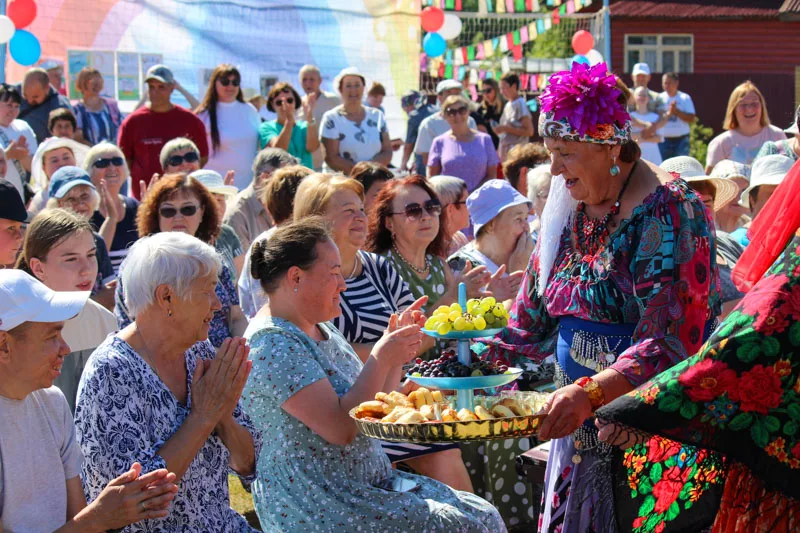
771, 230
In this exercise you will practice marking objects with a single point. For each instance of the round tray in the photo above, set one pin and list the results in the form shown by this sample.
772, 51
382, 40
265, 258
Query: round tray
461, 335
499, 428
470, 382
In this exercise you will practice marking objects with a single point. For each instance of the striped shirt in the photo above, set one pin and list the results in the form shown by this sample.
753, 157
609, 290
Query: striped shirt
370, 299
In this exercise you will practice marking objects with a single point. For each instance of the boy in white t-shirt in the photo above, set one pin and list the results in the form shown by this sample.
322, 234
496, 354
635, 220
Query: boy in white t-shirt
680, 113
40, 458
16, 138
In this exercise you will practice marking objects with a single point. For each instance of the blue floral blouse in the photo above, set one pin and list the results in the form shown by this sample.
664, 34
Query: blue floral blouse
125, 413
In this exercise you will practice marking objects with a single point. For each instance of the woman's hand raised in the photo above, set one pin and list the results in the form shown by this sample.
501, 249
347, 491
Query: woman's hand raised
505, 287
403, 337
217, 384
475, 278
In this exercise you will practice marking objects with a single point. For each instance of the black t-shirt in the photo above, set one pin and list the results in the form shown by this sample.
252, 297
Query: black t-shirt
125, 235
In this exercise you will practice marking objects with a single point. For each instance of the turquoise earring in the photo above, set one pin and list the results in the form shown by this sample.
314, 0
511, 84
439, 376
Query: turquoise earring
614, 170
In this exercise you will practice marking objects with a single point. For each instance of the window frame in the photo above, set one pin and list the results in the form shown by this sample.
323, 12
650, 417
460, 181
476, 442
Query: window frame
659, 49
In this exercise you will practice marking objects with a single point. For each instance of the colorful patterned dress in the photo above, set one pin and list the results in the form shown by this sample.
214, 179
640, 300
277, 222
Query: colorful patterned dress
740, 396
639, 306
305, 483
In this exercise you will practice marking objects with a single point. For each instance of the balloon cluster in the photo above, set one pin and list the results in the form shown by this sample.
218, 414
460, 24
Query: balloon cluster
24, 46
583, 45
440, 28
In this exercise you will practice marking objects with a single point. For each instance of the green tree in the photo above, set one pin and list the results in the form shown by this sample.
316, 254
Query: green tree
555, 42
700, 136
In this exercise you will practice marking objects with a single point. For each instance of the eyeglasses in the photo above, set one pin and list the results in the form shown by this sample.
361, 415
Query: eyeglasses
228, 81
413, 211
460, 202
487, 90
176, 160
103, 163
186, 210
279, 103
749, 105
84, 198
453, 111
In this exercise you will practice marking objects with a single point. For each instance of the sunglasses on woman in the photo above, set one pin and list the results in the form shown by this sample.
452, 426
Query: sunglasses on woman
413, 211
176, 160
228, 81
453, 111
186, 210
279, 103
103, 163
487, 90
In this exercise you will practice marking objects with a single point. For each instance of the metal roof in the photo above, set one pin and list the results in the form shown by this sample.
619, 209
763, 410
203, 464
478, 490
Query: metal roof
702, 9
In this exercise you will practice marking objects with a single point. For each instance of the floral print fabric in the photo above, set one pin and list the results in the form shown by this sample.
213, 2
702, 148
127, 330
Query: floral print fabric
306, 483
125, 413
656, 272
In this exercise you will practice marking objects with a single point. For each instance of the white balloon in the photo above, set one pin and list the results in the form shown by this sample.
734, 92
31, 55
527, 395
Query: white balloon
594, 57
7, 29
451, 27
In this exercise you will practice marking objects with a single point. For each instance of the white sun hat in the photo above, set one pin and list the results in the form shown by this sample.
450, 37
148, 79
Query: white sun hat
767, 170
691, 171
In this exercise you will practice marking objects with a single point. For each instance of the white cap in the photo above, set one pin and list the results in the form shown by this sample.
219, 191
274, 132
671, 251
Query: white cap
349, 71
767, 170
792, 130
690, 170
641, 68
214, 182
446, 85
24, 298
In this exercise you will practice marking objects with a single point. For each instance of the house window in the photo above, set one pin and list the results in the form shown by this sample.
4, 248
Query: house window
664, 53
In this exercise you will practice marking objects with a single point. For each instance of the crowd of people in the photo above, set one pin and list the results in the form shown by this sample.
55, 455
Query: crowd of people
188, 294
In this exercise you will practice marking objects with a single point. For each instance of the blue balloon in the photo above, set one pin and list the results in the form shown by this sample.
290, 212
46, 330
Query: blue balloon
577, 58
434, 45
25, 48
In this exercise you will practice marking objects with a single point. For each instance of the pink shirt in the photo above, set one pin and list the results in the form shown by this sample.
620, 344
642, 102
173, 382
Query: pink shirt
740, 148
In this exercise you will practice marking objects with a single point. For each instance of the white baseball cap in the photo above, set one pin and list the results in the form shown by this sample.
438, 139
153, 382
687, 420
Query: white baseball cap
214, 182
24, 298
641, 68
446, 85
767, 170
491, 199
690, 170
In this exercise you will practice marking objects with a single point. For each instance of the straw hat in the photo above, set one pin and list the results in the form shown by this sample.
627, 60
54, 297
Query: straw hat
691, 171
732, 170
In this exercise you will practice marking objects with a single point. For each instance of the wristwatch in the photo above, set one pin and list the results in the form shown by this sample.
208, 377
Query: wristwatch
595, 392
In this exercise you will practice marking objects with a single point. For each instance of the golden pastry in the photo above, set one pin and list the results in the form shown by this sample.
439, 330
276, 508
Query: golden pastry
411, 417
437, 396
514, 406
501, 411
449, 415
374, 409
465, 415
418, 397
482, 413
400, 399
396, 413
426, 394
428, 412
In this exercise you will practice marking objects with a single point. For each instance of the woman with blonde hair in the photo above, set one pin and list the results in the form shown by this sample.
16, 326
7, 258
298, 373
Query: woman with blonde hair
748, 128
98, 118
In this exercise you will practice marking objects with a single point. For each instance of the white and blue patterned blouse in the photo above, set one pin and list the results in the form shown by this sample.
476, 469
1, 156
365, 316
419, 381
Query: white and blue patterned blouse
125, 414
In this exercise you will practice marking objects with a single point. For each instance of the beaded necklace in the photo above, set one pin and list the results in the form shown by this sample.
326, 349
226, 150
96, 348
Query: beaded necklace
420, 271
591, 233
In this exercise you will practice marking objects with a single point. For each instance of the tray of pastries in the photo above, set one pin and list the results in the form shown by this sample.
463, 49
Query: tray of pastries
426, 416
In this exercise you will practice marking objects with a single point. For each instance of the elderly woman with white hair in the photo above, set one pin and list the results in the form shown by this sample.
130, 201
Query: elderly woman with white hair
622, 286
115, 217
51, 155
539, 179
157, 393
452, 193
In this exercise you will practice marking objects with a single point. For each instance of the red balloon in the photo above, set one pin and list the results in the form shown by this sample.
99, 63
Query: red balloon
432, 18
582, 42
22, 12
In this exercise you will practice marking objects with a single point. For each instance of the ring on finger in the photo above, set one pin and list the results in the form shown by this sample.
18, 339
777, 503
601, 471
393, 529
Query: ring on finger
143, 507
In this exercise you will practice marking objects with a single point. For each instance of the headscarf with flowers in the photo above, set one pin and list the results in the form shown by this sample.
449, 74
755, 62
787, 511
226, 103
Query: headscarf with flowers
582, 104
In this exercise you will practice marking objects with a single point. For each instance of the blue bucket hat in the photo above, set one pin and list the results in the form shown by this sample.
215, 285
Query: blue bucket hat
491, 199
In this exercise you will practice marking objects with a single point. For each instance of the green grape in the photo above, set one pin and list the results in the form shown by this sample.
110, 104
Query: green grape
489, 300
443, 329
416, 375
479, 322
502, 322
469, 326
473, 301
456, 307
432, 323
499, 311
453, 315
471, 308
489, 318
442, 310
485, 308
460, 323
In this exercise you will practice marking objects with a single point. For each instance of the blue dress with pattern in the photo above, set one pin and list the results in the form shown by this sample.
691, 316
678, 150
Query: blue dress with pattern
305, 483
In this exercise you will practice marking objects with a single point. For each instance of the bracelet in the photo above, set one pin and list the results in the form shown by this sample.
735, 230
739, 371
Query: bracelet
593, 390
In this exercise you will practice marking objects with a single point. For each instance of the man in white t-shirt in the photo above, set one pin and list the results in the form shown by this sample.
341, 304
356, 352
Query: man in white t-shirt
436, 124
311, 80
679, 114
16, 138
40, 457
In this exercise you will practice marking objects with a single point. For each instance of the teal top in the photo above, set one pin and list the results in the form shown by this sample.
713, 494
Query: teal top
297, 143
304, 481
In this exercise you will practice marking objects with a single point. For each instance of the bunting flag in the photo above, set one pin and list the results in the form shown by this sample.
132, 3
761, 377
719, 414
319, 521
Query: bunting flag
448, 71
470, 52
504, 44
473, 91
462, 73
479, 52
488, 48
473, 77
509, 6
523, 34
517, 53
556, 18
501, 6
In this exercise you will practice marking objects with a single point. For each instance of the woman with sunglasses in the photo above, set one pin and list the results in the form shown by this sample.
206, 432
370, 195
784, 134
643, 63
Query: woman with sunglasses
491, 108
351, 132
404, 226
231, 126
115, 217
462, 151
748, 128
298, 137
179, 155
181, 203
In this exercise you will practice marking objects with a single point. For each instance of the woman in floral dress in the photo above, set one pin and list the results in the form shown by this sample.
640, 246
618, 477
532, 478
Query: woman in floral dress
620, 287
740, 396
316, 472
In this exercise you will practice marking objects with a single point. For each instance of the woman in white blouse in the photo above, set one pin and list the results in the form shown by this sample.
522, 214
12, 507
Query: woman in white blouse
231, 125
351, 132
